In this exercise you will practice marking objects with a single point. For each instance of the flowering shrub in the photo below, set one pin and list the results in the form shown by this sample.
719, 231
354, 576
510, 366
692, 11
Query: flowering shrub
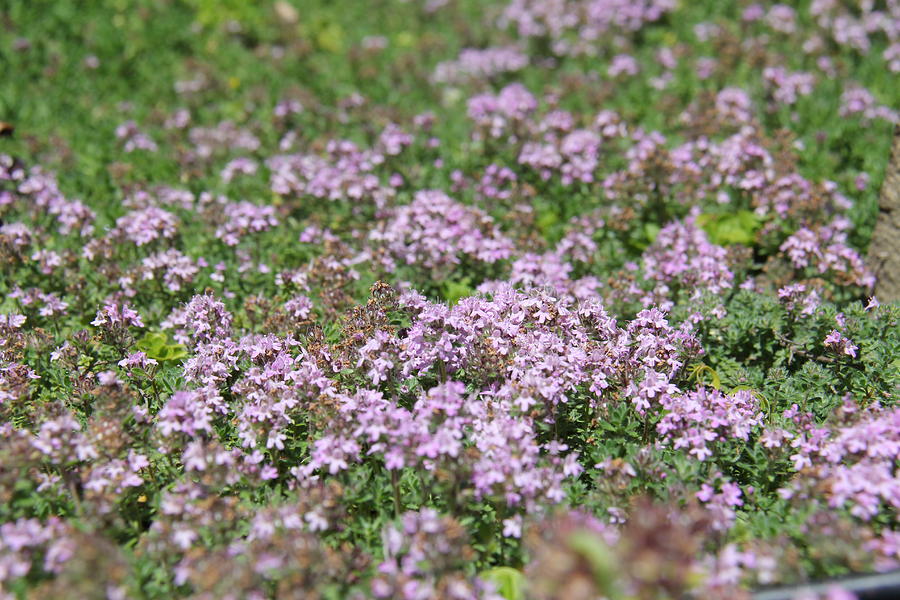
516, 299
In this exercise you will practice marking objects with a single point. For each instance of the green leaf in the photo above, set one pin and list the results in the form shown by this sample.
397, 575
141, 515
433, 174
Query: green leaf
456, 290
698, 371
546, 220
155, 345
328, 36
651, 230
602, 561
152, 343
733, 228
510, 582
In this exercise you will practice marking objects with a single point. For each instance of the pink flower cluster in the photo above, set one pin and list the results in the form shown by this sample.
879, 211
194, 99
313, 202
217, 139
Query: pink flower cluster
474, 63
702, 417
435, 232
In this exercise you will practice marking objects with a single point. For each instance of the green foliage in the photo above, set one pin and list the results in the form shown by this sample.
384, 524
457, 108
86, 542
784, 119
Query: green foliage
761, 345
602, 561
509, 582
731, 228
156, 346
456, 290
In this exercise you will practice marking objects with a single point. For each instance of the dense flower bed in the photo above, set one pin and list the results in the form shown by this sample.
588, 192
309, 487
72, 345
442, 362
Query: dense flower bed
591, 320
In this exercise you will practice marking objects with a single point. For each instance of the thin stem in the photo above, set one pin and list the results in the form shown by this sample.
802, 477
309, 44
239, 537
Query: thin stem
395, 486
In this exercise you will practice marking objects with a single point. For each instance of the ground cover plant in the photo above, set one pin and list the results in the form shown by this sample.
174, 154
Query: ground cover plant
444, 298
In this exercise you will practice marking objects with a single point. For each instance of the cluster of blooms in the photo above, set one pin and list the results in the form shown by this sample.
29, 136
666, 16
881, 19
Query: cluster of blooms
277, 393
434, 232
173, 268
575, 26
208, 141
721, 505
481, 64
48, 260
504, 114
794, 197
269, 397
788, 87
207, 319
892, 56
683, 259
146, 225
62, 442
734, 104
287, 107
15, 237
238, 166
194, 506
704, 416
547, 347
24, 540
137, 360
798, 299
856, 100
422, 559
623, 64
39, 192
506, 462
854, 465
48, 304
855, 27
242, 218
299, 307
134, 139
160, 195
551, 145
654, 354
839, 344
825, 249
574, 156
115, 315
497, 182
15, 376
186, 412
393, 140
281, 552
551, 271
97, 459
345, 174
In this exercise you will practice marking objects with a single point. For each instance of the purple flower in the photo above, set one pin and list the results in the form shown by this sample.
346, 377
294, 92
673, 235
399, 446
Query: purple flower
243, 218
146, 225
480, 64
435, 232
839, 344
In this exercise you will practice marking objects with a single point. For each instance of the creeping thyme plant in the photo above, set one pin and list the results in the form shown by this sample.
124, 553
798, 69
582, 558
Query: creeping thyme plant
520, 299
